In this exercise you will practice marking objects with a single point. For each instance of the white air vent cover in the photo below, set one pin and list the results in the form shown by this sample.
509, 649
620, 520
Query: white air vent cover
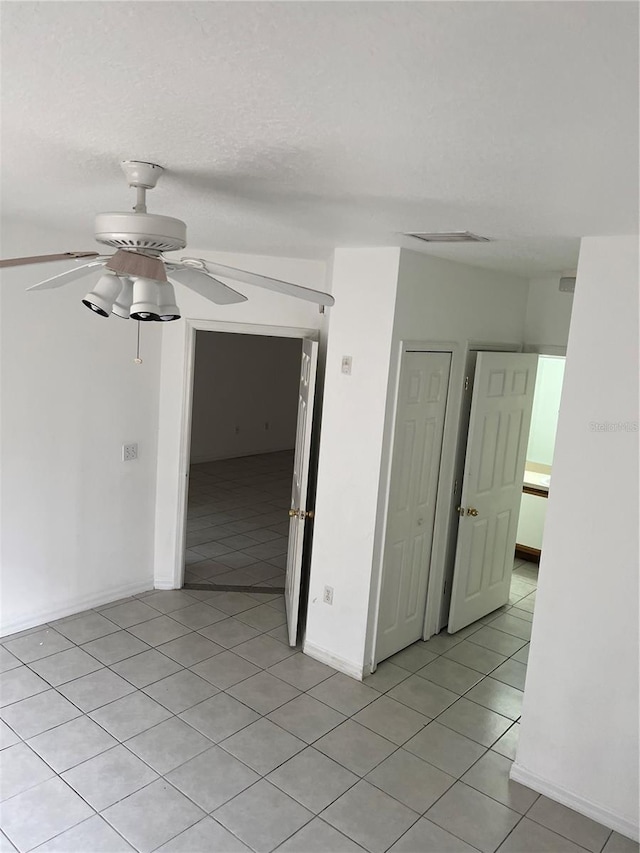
448, 237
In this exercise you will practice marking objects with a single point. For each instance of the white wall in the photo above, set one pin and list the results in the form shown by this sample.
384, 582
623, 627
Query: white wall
77, 522
546, 405
264, 309
548, 316
244, 395
361, 322
579, 734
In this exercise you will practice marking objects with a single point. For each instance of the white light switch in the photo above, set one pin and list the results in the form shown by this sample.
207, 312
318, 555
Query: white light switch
346, 364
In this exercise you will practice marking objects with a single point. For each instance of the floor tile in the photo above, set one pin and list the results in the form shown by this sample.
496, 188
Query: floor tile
620, 844
524, 614
511, 672
219, 717
162, 629
190, 649
93, 835
307, 718
386, 676
18, 684
410, 780
143, 669
262, 617
153, 815
207, 835
414, 657
426, 836
499, 697
38, 713
475, 657
131, 613
225, 669
89, 626
180, 691
530, 837
262, 816
115, 647
355, 747
198, 615
71, 743
264, 651
167, 600
64, 666
263, 746
522, 656
473, 817
343, 694
472, 720
38, 645
319, 837
109, 777
451, 675
491, 776
423, 696
370, 817
168, 745
96, 689
130, 715
263, 692
392, 720
21, 769
280, 633
442, 642
7, 736
449, 751
300, 670
508, 743
313, 779
7, 660
512, 625
568, 823
57, 806
212, 778
497, 641
229, 633
232, 602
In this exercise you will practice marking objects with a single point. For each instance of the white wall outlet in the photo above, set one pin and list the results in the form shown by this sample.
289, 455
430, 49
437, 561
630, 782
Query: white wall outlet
129, 452
327, 596
346, 364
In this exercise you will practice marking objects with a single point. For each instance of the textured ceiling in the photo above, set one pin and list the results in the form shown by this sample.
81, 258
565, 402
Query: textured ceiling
291, 128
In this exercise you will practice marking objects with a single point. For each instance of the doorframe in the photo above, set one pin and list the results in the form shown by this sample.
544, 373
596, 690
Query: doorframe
181, 492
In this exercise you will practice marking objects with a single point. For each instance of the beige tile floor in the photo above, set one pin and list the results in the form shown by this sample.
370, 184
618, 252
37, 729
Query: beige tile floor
182, 722
237, 520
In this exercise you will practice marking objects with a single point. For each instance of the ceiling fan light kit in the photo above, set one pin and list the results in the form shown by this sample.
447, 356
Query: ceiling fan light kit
136, 282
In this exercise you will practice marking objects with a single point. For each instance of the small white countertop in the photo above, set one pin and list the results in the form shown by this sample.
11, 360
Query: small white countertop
537, 481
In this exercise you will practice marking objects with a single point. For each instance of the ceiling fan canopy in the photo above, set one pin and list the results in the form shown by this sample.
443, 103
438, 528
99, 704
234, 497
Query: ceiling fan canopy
137, 281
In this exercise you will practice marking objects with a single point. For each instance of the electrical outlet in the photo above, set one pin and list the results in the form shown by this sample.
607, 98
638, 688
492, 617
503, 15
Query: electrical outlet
129, 452
346, 364
328, 595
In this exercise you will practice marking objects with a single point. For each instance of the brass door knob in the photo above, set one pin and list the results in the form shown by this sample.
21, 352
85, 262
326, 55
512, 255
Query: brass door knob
294, 513
300, 513
472, 511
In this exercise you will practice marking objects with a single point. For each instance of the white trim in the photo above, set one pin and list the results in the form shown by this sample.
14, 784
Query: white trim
77, 605
574, 801
348, 667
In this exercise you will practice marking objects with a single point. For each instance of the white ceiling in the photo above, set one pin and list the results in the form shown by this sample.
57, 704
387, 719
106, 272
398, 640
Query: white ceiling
291, 128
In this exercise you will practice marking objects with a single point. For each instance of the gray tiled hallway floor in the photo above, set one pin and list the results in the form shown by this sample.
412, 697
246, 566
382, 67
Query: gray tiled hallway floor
237, 520
182, 722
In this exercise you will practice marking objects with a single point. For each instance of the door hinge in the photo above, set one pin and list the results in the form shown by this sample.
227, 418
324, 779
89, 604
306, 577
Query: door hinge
445, 587
466, 383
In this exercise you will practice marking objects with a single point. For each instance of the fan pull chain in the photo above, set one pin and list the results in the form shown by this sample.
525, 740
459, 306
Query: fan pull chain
137, 359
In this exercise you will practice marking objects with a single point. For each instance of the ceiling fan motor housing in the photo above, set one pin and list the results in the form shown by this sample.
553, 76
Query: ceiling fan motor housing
141, 231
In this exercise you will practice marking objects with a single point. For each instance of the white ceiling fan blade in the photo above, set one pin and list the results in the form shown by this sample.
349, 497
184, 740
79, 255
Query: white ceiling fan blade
264, 281
205, 285
70, 275
46, 259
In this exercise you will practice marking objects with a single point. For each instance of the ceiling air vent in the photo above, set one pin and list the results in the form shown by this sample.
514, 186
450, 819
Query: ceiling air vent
448, 237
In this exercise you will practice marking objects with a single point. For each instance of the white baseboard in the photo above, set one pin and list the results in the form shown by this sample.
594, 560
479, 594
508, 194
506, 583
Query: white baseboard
342, 664
169, 584
75, 605
574, 801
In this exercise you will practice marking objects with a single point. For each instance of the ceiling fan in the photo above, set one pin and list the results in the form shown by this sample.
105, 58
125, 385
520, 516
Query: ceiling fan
136, 281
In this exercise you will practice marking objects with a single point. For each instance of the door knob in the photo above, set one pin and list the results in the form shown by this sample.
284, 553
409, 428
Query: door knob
294, 513
300, 513
472, 511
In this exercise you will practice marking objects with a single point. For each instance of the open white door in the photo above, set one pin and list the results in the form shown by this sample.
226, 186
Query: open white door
492, 485
298, 512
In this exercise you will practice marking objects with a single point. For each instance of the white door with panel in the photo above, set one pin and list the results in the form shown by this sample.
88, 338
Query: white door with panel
492, 484
298, 513
415, 468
